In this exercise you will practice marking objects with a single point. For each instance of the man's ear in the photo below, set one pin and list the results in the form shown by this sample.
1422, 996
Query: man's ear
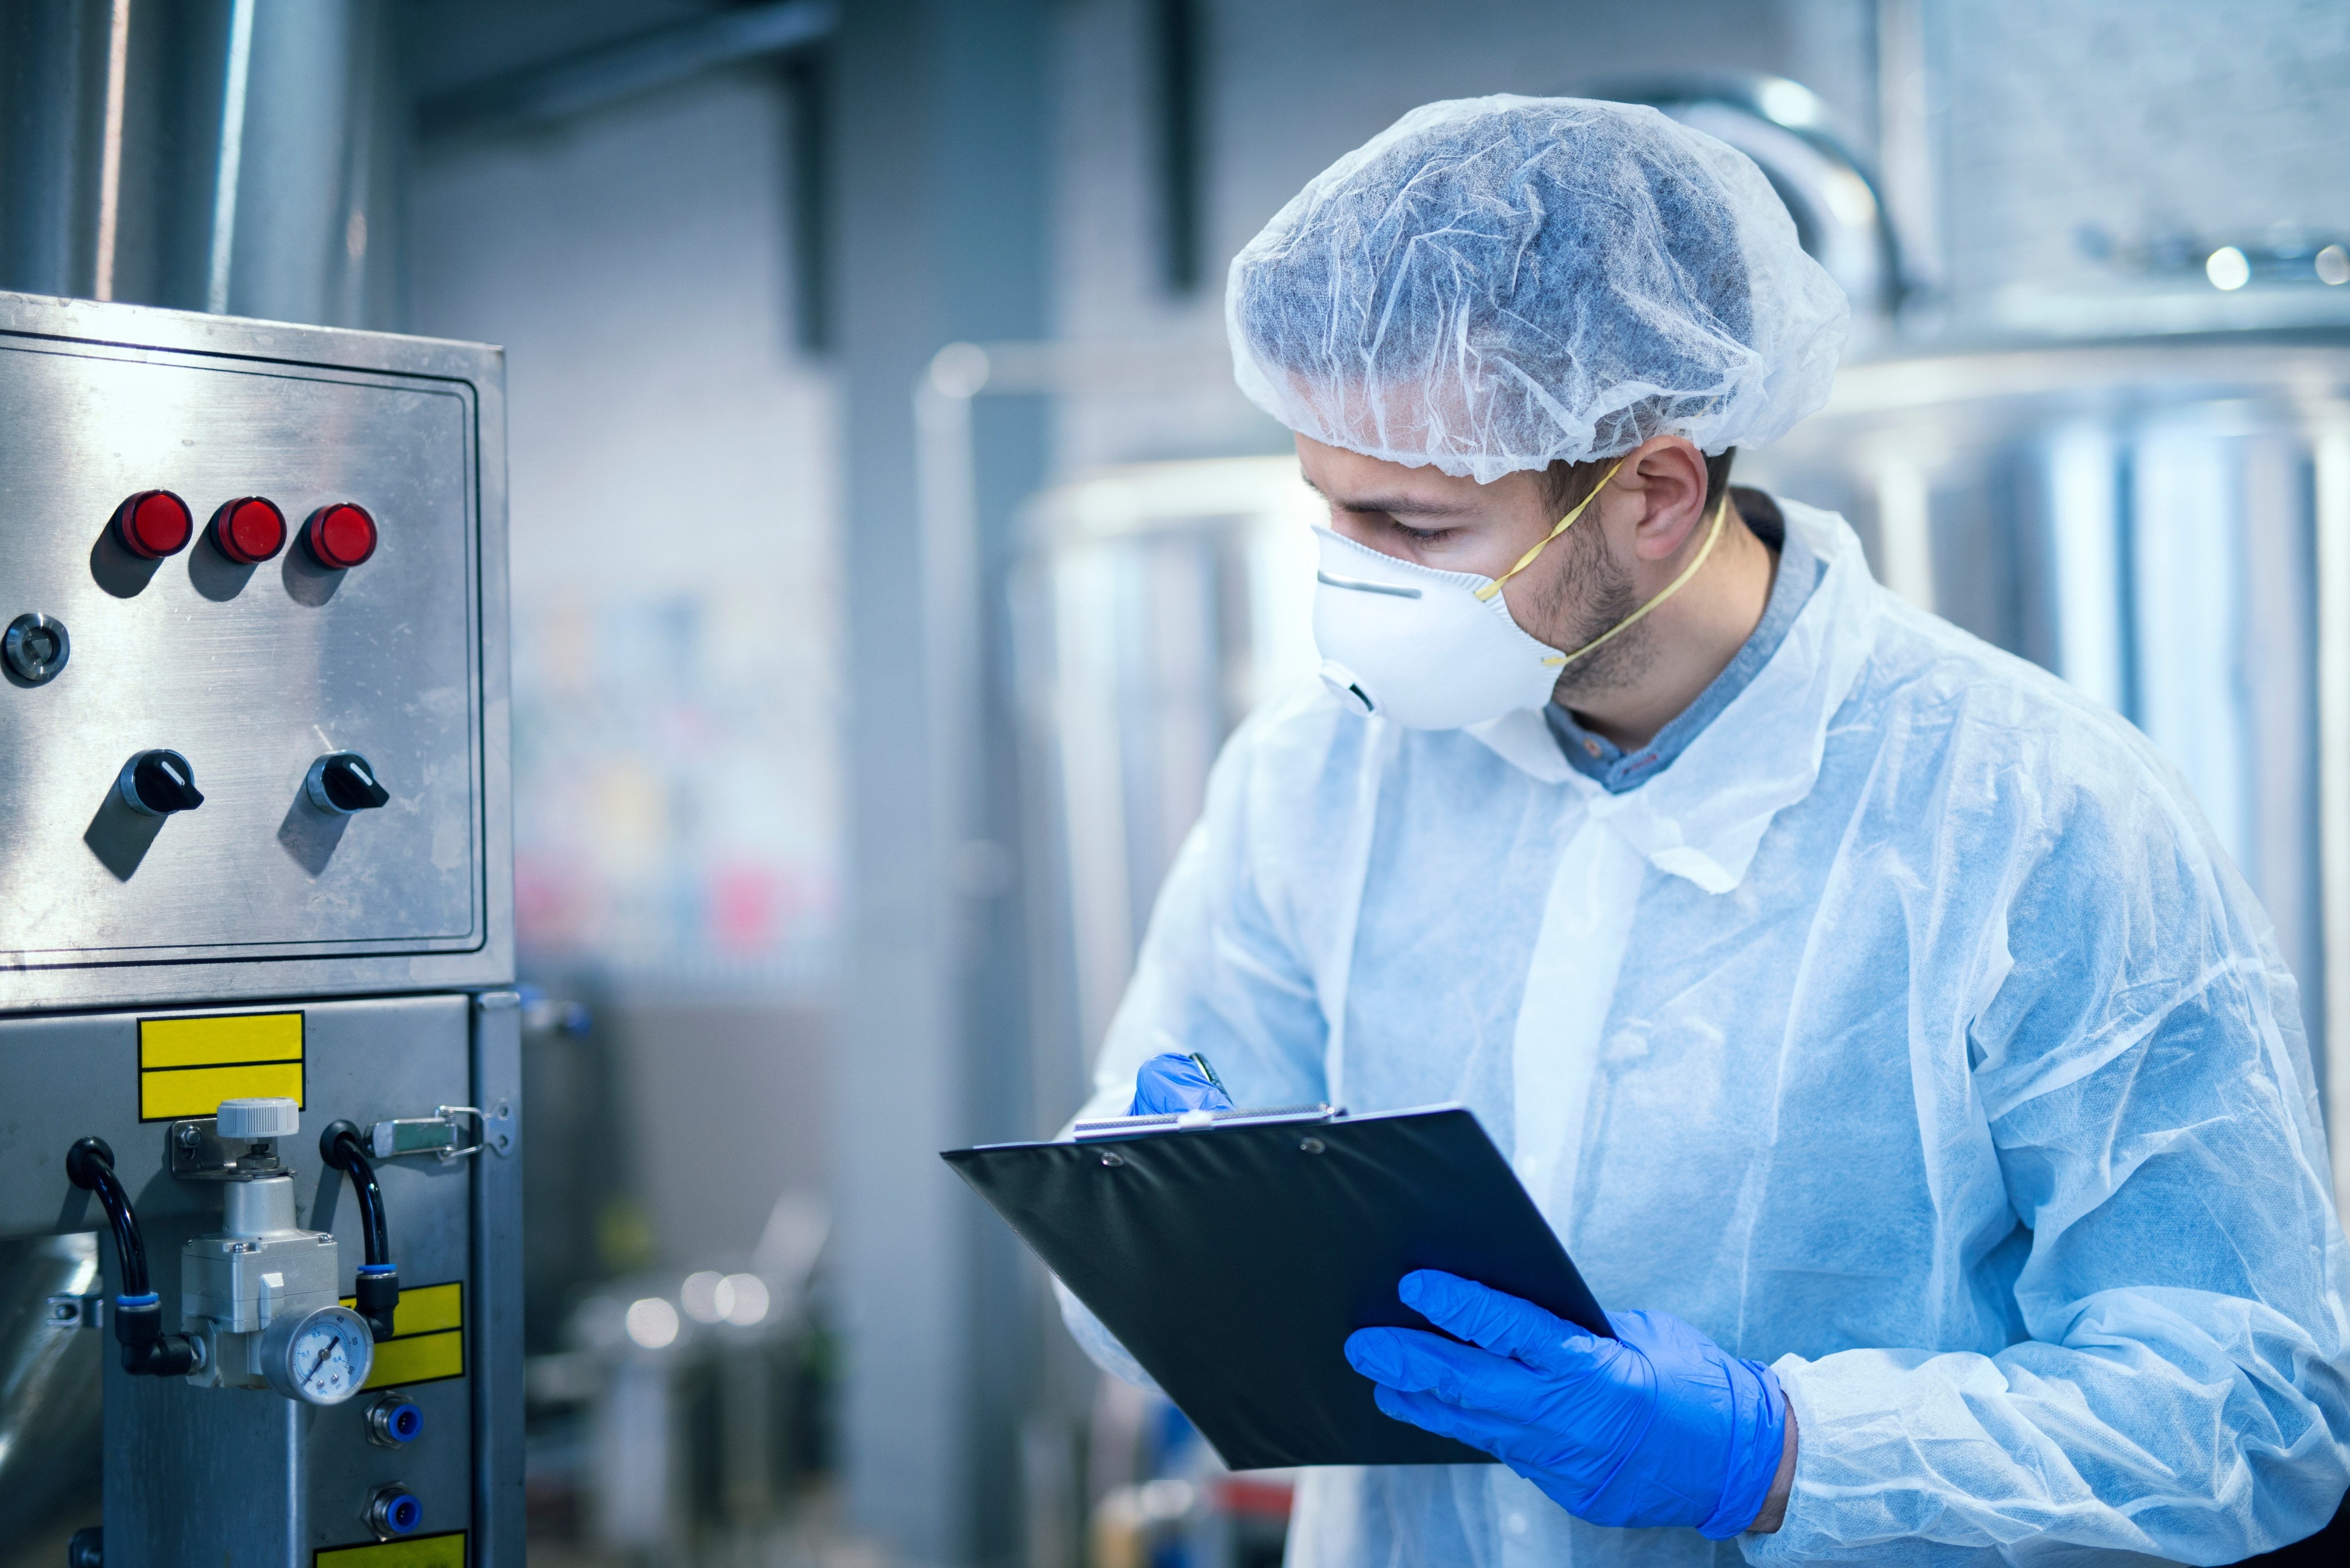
1667, 474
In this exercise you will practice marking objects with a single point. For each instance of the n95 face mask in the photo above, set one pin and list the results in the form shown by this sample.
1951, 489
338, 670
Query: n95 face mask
1440, 650
1418, 646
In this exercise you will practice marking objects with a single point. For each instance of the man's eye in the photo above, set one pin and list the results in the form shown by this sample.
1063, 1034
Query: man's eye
1424, 536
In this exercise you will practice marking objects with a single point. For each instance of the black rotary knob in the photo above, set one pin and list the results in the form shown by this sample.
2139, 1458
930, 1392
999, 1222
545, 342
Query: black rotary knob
343, 783
159, 782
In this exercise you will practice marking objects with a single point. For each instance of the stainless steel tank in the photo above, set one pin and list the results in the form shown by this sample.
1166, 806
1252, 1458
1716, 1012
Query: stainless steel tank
2167, 525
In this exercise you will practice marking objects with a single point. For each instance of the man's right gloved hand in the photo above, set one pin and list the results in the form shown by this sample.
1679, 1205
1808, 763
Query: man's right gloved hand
1174, 1083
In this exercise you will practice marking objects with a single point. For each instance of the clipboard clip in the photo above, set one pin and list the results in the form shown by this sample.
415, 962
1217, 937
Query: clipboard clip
1203, 1121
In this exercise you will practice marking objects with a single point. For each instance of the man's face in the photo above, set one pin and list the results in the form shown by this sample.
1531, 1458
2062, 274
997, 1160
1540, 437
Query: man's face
1575, 590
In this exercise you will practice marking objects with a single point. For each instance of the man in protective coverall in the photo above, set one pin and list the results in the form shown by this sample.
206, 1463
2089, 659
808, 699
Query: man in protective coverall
1873, 1017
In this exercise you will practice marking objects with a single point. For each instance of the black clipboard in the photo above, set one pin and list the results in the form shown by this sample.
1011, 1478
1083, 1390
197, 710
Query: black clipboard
1233, 1259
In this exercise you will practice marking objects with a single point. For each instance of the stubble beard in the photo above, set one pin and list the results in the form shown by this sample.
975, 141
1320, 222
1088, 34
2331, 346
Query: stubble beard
1589, 595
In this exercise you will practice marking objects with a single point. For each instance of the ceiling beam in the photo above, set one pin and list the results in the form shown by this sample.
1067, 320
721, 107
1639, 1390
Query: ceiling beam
576, 84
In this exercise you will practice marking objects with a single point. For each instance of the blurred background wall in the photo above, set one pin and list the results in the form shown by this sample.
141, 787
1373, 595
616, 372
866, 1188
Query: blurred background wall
892, 552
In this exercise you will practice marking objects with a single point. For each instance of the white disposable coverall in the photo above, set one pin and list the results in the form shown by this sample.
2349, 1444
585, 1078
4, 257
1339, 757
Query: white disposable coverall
1909, 1032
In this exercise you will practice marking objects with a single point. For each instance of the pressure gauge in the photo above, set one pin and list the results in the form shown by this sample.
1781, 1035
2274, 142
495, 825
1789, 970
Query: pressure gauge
321, 1356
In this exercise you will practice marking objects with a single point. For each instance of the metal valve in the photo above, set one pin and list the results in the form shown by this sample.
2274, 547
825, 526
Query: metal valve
259, 1297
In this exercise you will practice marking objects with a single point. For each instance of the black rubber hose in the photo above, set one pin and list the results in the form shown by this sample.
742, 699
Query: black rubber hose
339, 1145
137, 1311
90, 1164
377, 1289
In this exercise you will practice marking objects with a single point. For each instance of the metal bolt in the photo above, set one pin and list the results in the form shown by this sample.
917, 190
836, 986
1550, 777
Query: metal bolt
36, 647
189, 1136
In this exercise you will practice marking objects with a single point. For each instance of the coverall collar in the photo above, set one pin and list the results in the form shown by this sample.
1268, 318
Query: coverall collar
1703, 817
1595, 756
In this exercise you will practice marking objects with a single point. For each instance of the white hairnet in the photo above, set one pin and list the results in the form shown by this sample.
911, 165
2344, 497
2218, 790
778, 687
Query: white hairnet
1495, 284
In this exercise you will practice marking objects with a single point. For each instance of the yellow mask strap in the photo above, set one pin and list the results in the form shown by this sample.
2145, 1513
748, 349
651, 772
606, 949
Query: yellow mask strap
1564, 524
1559, 661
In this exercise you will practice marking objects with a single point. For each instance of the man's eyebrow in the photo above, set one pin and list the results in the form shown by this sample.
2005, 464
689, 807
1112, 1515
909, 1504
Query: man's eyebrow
1394, 505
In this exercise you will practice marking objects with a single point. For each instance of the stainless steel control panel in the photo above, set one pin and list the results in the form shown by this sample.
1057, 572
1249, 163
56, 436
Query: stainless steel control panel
382, 639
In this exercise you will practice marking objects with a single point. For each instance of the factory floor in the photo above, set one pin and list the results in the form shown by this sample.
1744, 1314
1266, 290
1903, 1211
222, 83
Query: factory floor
809, 1535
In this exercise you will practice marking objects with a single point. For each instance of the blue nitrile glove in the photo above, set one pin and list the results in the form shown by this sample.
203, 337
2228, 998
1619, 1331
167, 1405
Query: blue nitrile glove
1174, 1083
1659, 1426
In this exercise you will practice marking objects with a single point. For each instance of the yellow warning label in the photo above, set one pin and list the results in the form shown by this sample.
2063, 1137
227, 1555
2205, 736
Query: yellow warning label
425, 1309
198, 1091
187, 1066
219, 1041
428, 1339
424, 1359
447, 1551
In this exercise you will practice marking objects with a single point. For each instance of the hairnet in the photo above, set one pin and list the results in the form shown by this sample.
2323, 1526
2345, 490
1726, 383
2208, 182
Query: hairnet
1496, 283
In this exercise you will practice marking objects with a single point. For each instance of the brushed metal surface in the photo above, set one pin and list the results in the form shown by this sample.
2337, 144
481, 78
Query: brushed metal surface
252, 672
49, 1387
188, 1469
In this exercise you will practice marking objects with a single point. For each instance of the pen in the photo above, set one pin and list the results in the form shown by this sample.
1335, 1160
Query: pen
1209, 1073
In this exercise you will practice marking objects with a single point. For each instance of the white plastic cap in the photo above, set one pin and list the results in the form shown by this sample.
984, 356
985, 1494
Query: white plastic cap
251, 1119
1497, 283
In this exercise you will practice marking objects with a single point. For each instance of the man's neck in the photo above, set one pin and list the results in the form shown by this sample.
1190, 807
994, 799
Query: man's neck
1691, 637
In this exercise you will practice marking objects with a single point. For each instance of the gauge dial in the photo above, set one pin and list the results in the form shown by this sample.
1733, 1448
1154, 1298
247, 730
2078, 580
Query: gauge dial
320, 1357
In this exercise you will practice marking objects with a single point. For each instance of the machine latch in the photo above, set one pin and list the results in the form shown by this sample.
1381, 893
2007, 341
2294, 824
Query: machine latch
451, 1132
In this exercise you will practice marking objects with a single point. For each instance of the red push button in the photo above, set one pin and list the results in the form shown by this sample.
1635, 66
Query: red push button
154, 524
249, 531
340, 537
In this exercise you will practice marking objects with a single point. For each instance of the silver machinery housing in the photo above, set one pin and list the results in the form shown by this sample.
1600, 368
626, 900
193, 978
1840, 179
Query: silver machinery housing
268, 941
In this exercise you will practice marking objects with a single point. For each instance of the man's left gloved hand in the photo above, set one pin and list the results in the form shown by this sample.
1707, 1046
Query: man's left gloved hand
1660, 1426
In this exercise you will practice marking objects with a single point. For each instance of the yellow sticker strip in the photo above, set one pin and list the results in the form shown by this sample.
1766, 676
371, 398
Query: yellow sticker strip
219, 1041
187, 1066
424, 1309
417, 1551
428, 1340
198, 1091
426, 1358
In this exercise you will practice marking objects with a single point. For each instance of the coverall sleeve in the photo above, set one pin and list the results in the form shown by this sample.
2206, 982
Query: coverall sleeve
2146, 1091
1219, 973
